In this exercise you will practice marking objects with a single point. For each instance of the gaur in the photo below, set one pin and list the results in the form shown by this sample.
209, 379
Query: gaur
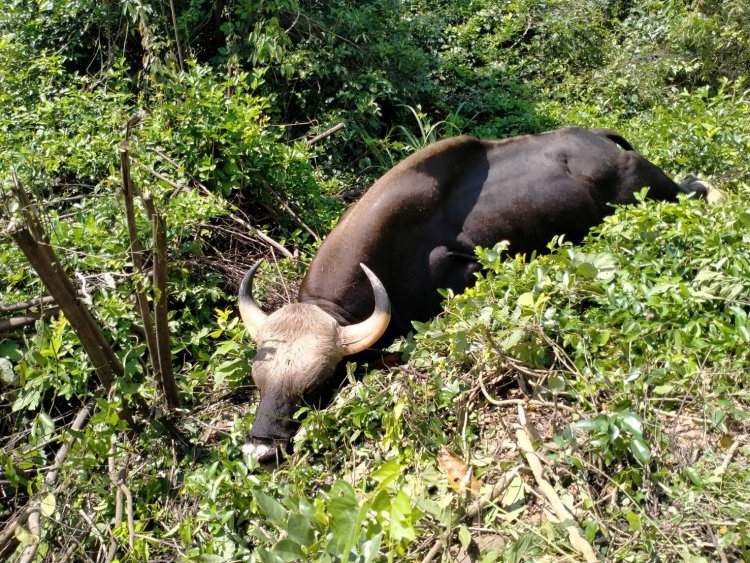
413, 232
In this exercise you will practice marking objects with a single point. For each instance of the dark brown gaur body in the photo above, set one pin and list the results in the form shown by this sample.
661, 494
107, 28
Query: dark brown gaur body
416, 229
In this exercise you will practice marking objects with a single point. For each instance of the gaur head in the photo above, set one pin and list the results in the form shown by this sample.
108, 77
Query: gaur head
298, 349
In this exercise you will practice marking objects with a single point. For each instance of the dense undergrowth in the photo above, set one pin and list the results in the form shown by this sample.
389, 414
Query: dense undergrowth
628, 354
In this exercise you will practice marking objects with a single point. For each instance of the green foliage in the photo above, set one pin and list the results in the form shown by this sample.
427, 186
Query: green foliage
636, 334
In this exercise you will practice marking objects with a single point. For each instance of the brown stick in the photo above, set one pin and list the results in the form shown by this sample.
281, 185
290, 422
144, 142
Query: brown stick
136, 258
434, 550
20, 322
497, 489
326, 133
262, 236
23, 305
161, 311
159, 277
176, 36
29, 236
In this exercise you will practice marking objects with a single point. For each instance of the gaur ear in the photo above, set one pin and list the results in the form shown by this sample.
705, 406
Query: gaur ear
358, 337
251, 314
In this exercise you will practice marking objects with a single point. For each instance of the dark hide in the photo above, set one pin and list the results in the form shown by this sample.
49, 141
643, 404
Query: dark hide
417, 226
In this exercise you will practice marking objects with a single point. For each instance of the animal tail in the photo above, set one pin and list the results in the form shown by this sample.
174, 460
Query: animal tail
615, 137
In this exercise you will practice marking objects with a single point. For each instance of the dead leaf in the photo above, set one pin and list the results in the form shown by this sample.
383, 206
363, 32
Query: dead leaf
457, 471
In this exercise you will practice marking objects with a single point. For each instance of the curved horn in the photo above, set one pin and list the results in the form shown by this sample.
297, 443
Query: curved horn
251, 314
355, 338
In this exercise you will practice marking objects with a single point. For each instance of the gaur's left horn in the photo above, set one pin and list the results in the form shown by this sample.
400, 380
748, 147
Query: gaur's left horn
251, 314
358, 337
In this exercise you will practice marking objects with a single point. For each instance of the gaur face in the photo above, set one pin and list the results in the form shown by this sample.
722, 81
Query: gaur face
298, 349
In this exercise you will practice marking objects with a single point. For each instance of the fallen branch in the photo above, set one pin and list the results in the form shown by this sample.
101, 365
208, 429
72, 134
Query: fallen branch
15, 323
289, 210
566, 518
24, 305
434, 550
325, 134
497, 490
262, 236
719, 471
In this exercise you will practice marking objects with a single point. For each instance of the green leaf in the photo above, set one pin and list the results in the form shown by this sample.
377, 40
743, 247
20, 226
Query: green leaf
640, 450
300, 529
346, 519
46, 421
464, 536
272, 508
526, 299
631, 422
265, 556
556, 384
10, 350
587, 270
24, 536
387, 473
634, 520
401, 524
664, 389
370, 548
47, 504
513, 339
288, 550
211, 558
694, 476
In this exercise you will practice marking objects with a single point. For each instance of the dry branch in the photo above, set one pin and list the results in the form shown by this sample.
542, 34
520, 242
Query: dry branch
434, 550
180, 59
719, 471
34, 513
24, 305
289, 210
262, 236
497, 490
567, 520
161, 311
326, 133
15, 323
136, 257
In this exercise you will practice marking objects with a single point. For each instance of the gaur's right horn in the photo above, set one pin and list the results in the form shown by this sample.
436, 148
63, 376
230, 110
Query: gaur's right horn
358, 337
